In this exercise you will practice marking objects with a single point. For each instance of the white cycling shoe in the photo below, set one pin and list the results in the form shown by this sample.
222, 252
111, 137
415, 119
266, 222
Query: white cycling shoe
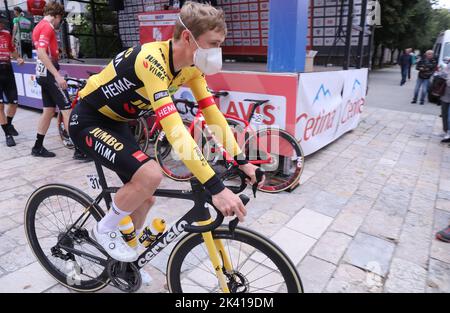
114, 245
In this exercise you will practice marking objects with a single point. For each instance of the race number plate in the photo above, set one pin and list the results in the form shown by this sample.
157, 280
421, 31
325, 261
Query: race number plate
41, 70
93, 182
258, 118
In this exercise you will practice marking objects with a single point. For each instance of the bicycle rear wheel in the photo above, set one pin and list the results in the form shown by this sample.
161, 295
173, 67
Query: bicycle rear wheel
258, 265
50, 212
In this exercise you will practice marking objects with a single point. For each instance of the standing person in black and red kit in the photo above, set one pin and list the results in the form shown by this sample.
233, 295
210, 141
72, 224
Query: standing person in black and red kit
8, 86
54, 86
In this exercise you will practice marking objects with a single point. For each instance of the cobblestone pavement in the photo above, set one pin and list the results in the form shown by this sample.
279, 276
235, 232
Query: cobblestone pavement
363, 219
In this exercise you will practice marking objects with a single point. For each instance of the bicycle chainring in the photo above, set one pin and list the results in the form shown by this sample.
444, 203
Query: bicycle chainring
124, 276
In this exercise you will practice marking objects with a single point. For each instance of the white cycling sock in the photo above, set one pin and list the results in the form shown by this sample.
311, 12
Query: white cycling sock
111, 220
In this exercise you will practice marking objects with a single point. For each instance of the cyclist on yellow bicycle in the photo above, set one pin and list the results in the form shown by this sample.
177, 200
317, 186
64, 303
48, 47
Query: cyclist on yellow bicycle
142, 79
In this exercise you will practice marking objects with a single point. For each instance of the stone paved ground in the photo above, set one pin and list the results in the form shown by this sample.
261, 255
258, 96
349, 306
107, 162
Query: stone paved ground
363, 219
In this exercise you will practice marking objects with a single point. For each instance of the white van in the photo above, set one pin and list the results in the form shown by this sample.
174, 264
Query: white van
442, 47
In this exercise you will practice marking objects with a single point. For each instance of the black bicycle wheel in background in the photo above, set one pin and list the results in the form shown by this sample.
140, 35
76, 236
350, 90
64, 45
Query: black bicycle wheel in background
139, 129
258, 264
287, 158
168, 159
50, 211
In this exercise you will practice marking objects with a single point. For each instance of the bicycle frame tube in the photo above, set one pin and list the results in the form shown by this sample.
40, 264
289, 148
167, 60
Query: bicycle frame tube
198, 213
214, 256
156, 126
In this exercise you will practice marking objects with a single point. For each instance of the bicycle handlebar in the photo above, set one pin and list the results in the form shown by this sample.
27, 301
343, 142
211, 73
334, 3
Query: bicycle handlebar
81, 83
218, 94
220, 217
188, 105
216, 223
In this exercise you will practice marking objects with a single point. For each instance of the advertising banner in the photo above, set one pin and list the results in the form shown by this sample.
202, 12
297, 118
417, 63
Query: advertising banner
279, 89
29, 90
328, 108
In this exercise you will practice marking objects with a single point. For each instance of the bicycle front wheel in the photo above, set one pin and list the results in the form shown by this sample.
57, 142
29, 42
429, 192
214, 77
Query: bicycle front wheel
257, 265
56, 218
279, 154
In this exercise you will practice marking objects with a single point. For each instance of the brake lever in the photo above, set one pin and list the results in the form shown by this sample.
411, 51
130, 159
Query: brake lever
233, 224
259, 176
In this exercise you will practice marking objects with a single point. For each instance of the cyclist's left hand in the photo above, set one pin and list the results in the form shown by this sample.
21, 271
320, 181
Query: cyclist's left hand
249, 170
20, 61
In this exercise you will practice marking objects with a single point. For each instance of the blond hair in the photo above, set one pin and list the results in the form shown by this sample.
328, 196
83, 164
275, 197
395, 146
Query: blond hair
200, 18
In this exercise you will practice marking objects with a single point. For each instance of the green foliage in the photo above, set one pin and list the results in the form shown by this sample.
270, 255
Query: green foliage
108, 43
410, 24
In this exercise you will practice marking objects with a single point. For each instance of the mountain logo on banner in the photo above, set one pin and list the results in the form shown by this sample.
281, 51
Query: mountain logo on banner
322, 92
355, 85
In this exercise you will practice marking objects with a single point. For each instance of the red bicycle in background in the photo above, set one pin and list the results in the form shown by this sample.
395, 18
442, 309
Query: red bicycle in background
276, 151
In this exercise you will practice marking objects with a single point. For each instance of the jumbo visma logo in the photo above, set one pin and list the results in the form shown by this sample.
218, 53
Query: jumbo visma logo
107, 138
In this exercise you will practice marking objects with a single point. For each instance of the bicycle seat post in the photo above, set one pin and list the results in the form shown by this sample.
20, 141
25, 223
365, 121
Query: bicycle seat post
103, 184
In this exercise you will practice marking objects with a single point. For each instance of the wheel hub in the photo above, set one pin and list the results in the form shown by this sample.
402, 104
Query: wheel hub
237, 283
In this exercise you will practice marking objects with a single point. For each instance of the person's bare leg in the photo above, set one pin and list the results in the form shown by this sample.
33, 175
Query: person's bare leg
140, 215
141, 187
66, 116
45, 120
2, 114
12, 109
133, 196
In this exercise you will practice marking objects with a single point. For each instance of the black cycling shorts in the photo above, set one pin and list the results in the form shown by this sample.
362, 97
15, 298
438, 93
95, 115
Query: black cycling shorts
108, 142
8, 88
52, 94
27, 49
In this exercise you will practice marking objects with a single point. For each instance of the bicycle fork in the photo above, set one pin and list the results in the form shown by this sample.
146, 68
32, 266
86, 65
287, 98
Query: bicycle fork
215, 249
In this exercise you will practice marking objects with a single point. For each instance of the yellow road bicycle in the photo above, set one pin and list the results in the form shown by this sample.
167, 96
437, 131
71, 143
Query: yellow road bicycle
206, 255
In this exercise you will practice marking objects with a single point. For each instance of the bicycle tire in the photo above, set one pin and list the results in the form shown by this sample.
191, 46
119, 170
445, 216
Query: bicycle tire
163, 149
32, 206
243, 235
140, 133
294, 178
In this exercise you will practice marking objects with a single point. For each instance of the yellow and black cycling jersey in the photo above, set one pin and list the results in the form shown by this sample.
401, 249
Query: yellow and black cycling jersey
144, 78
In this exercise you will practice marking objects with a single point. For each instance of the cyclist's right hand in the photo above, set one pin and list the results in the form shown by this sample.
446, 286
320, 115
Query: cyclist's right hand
61, 82
229, 204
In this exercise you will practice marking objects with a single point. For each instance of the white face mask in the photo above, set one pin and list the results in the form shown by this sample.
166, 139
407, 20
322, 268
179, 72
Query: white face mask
209, 61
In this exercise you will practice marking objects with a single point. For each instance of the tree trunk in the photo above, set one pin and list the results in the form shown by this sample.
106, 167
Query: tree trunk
392, 55
374, 55
380, 65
